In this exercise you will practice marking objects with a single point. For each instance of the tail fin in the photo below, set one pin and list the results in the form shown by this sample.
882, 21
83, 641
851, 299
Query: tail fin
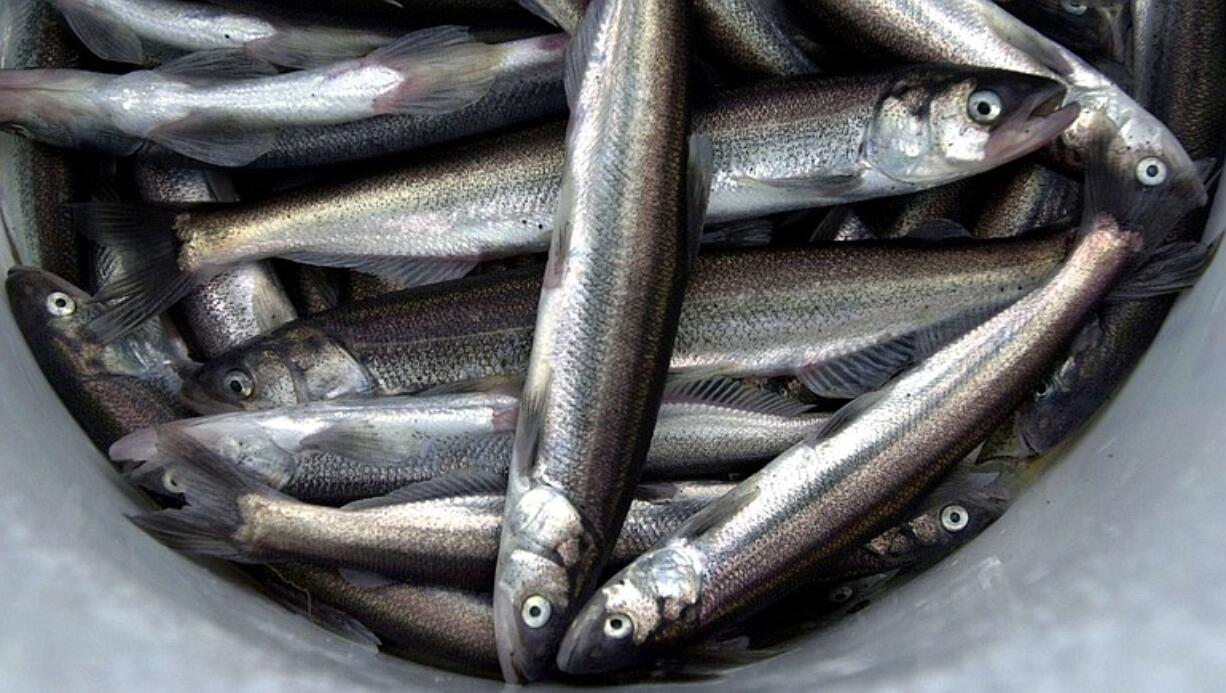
148, 279
1144, 187
445, 70
209, 522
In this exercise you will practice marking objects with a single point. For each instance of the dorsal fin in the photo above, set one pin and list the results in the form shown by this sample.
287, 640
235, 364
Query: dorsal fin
729, 394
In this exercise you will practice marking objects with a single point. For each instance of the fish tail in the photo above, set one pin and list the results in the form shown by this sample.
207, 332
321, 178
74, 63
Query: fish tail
1144, 190
444, 70
149, 279
210, 522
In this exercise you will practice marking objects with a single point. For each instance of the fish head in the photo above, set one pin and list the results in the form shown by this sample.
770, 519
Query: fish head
547, 553
1067, 396
936, 125
51, 106
635, 612
295, 365
53, 315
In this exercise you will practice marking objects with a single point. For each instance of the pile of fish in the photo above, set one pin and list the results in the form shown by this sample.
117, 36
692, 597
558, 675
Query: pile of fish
573, 337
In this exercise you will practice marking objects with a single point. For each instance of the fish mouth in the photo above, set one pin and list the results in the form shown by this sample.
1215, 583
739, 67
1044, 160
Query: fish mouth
193, 397
1038, 120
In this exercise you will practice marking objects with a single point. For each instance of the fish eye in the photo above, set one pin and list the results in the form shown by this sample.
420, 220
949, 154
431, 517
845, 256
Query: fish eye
536, 611
170, 483
1151, 171
60, 304
1044, 391
618, 626
239, 383
954, 518
841, 594
985, 106
1074, 7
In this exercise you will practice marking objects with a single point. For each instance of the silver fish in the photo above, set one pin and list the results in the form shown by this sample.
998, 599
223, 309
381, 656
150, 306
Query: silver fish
443, 531
112, 389
827, 495
184, 107
843, 317
139, 31
337, 452
609, 303
978, 32
822, 142
566, 14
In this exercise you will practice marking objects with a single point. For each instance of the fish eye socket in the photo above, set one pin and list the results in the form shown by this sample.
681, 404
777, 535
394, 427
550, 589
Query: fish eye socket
841, 594
1044, 391
985, 106
60, 304
954, 518
618, 626
239, 383
1074, 7
1151, 171
536, 611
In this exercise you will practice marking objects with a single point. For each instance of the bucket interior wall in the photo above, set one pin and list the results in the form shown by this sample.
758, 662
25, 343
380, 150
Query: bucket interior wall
1108, 572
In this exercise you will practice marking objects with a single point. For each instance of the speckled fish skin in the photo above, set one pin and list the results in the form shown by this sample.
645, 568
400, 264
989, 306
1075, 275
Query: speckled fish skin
978, 32
1179, 74
612, 291
1024, 197
527, 87
233, 307
746, 313
752, 36
441, 626
151, 30
776, 148
38, 179
112, 390
337, 452
824, 496
450, 540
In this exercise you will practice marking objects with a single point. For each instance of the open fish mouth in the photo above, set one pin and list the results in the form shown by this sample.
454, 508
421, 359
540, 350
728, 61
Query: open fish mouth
1039, 120
193, 396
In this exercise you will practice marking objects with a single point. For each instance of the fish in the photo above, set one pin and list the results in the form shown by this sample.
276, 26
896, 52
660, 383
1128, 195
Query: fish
110, 389
38, 179
978, 32
1178, 76
1096, 30
441, 532
755, 37
880, 453
221, 108
441, 626
844, 317
1026, 196
337, 452
233, 307
629, 213
826, 141
527, 87
936, 209
142, 31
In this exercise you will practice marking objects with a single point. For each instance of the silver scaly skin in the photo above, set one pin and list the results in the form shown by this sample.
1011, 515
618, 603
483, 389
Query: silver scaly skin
776, 148
141, 31
755, 37
233, 307
337, 452
185, 107
851, 313
978, 32
609, 303
884, 450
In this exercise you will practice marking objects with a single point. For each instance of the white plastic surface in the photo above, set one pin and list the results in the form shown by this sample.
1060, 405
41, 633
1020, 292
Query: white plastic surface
1108, 574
